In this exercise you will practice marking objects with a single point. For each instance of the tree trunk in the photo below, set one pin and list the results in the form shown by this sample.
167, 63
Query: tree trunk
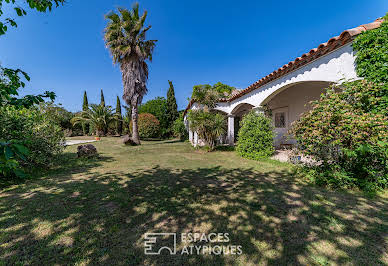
99, 132
135, 130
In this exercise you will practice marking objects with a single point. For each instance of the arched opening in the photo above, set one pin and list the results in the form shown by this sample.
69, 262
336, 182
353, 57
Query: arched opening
238, 112
287, 104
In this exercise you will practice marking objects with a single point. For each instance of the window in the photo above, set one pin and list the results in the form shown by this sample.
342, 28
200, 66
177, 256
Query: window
280, 120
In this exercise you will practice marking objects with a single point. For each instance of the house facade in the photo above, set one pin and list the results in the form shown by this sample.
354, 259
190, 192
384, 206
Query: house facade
287, 92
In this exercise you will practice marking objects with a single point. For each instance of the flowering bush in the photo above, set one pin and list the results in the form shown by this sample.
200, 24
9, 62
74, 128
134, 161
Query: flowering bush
255, 138
347, 132
149, 126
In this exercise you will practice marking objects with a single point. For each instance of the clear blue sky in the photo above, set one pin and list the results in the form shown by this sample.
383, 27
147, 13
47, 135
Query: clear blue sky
199, 42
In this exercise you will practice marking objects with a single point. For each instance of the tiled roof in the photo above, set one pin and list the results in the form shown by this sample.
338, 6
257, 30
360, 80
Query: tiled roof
324, 48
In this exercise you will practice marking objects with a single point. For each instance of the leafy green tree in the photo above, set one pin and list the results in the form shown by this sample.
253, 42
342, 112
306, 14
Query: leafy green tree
208, 95
37, 129
125, 37
119, 122
10, 82
57, 114
158, 108
38, 5
172, 107
98, 117
102, 103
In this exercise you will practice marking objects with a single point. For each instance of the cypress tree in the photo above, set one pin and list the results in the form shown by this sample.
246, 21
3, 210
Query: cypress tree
102, 98
85, 107
172, 107
119, 117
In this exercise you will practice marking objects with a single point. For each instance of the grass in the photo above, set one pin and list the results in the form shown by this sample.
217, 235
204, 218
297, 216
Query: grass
97, 211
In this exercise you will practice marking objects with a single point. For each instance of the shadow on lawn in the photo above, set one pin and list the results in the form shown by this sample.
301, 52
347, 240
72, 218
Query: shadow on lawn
101, 219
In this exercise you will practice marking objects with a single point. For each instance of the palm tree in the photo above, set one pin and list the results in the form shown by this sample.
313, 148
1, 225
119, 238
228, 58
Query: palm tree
125, 37
208, 125
97, 116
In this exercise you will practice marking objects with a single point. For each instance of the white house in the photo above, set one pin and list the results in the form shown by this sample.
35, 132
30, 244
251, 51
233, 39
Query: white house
286, 92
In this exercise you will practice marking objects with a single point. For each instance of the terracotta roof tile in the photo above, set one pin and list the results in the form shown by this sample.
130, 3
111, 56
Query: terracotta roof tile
322, 49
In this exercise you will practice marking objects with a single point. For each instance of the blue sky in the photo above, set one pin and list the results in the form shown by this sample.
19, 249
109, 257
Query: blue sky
199, 42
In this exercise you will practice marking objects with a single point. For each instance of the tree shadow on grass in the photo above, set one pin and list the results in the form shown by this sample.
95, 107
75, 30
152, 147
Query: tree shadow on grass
102, 218
61, 165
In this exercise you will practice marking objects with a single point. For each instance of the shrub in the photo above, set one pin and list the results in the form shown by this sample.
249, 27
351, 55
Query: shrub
179, 129
158, 108
149, 126
345, 131
42, 137
255, 138
208, 125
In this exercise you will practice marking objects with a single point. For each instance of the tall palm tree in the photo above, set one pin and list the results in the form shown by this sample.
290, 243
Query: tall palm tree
125, 37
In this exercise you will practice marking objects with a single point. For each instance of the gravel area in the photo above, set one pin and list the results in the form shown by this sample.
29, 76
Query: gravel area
74, 142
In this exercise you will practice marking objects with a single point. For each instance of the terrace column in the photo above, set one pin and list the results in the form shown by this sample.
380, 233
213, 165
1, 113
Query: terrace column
191, 136
231, 130
195, 142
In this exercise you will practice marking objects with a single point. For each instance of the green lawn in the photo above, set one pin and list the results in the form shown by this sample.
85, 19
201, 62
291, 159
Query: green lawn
97, 211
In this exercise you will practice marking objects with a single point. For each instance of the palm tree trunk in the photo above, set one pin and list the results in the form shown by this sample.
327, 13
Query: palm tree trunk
135, 130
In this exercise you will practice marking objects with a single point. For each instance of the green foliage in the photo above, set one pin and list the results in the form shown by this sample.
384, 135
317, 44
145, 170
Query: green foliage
11, 152
41, 135
149, 126
125, 37
172, 107
209, 95
10, 82
57, 114
208, 125
255, 138
371, 54
127, 119
102, 103
341, 129
85, 104
119, 122
85, 107
98, 117
157, 107
38, 5
179, 129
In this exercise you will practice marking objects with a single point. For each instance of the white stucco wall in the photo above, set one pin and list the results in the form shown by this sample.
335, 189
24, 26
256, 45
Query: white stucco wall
297, 98
294, 101
333, 67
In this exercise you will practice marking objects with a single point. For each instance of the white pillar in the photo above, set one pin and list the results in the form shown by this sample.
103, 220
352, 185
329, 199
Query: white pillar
191, 136
195, 142
231, 130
